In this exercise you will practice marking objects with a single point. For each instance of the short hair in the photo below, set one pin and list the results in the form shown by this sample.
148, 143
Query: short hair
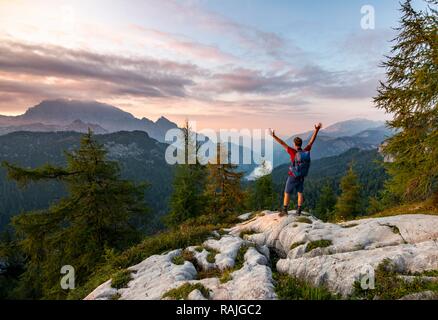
298, 142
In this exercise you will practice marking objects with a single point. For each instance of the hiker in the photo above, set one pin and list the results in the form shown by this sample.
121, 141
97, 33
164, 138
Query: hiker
300, 163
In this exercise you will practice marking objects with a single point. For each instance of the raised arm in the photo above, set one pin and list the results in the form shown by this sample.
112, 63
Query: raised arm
315, 133
283, 144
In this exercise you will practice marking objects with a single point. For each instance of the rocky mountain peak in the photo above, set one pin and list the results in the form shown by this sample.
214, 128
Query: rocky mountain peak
67, 113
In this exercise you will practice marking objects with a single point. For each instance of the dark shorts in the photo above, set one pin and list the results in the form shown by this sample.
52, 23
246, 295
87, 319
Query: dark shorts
293, 184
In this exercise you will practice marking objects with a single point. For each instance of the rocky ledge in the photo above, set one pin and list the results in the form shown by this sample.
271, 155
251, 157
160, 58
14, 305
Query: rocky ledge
237, 265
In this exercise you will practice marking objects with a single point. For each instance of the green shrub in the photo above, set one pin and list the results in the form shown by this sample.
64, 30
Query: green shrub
318, 244
178, 260
121, 279
199, 249
182, 292
211, 257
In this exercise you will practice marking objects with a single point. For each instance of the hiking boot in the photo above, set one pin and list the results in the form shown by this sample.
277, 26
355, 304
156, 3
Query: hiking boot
283, 212
298, 212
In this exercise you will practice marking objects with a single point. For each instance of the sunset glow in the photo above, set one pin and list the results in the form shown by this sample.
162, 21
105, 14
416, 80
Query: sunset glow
224, 64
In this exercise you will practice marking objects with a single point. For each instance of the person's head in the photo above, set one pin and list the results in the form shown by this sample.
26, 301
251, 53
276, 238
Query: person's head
298, 142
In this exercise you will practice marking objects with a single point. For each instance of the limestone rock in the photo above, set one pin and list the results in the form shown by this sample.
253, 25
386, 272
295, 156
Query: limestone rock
196, 295
151, 279
228, 246
333, 255
410, 241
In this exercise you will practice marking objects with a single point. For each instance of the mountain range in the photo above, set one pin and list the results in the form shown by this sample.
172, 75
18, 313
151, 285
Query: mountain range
74, 115
78, 116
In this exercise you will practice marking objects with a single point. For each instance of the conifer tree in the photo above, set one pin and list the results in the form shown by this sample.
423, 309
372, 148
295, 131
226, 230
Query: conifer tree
224, 191
349, 203
188, 199
11, 264
410, 94
326, 203
262, 195
100, 212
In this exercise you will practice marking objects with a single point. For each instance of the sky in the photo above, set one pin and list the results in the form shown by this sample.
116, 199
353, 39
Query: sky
226, 64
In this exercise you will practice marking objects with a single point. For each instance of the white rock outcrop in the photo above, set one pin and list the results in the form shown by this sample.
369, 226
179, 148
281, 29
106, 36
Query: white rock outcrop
156, 275
333, 255
350, 249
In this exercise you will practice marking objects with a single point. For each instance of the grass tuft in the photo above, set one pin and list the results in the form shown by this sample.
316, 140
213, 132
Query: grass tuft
121, 279
210, 273
226, 276
211, 257
182, 292
246, 232
318, 244
291, 288
240, 258
428, 207
427, 273
296, 244
178, 260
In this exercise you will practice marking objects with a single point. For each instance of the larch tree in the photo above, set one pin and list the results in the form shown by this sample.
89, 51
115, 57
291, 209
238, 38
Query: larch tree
101, 211
410, 94
348, 204
188, 197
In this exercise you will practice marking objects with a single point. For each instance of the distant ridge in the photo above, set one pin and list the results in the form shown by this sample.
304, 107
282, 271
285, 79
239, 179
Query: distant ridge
78, 115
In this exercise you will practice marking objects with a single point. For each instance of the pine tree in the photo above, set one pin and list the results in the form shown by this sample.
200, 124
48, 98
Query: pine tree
11, 264
262, 195
375, 205
101, 211
188, 199
348, 204
410, 94
224, 192
326, 203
